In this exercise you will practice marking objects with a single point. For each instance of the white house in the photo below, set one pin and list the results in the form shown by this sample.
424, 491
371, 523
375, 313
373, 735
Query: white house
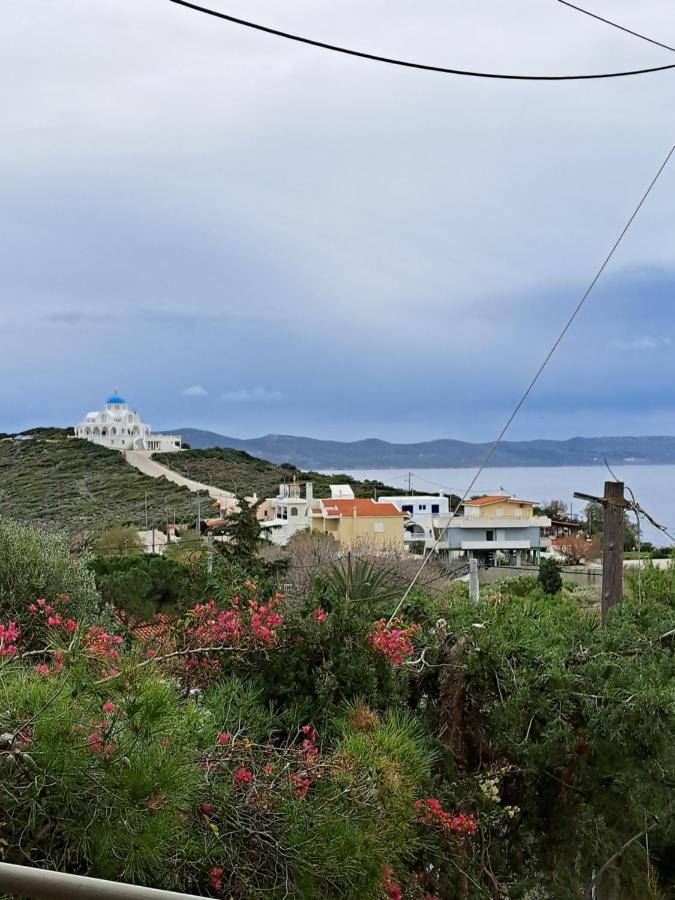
120, 428
423, 514
290, 512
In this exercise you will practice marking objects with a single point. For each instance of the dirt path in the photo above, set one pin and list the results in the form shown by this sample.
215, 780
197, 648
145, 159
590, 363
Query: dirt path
143, 461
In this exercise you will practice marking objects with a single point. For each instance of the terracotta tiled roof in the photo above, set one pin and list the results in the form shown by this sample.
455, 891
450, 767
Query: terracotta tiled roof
494, 498
363, 508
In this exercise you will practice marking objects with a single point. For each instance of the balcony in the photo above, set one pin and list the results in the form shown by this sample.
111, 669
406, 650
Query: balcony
496, 545
500, 522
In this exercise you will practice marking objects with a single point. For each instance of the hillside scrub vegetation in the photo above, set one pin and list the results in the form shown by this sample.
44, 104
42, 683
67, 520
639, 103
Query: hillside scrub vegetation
334, 745
245, 475
75, 486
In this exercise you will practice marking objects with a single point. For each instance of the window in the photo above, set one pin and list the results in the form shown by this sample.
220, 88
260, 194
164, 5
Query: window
435, 509
489, 536
294, 511
378, 527
422, 506
499, 512
407, 507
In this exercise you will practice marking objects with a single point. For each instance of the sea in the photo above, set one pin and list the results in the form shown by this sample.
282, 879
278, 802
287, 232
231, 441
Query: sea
653, 486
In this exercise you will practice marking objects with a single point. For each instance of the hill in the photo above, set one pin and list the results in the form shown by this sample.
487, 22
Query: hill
76, 486
446, 453
238, 471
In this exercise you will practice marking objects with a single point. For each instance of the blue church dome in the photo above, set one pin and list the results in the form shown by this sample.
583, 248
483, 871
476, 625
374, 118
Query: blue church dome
115, 398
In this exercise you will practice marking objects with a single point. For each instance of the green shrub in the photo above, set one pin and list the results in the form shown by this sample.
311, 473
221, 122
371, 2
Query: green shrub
550, 577
36, 564
143, 585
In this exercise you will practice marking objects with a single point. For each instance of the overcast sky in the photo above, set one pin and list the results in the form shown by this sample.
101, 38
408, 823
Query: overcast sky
250, 235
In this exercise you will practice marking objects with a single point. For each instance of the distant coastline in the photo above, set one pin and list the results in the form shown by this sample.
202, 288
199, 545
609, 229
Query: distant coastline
373, 453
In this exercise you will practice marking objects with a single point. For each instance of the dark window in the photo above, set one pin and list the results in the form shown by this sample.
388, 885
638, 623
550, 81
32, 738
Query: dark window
422, 506
489, 535
435, 508
407, 508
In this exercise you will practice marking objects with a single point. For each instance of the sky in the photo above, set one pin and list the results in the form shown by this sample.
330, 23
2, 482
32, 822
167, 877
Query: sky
253, 236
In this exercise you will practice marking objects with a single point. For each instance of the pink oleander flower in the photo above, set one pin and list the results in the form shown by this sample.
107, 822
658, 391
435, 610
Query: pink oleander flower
9, 634
393, 640
95, 742
320, 615
215, 877
108, 708
430, 812
42, 669
223, 738
243, 776
300, 786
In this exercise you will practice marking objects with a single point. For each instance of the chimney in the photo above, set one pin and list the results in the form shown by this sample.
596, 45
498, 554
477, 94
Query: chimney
309, 491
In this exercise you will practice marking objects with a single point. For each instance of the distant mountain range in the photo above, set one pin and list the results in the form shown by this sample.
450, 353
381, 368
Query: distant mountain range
371, 453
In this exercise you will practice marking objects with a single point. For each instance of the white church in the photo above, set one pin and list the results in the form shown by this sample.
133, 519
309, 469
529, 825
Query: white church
121, 428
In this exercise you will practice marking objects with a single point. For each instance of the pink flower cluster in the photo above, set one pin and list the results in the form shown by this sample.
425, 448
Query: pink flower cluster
9, 635
319, 614
430, 812
97, 744
45, 669
100, 644
253, 620
300, 785
264, 620
52, 618
216, 877
392, 888
394, 641
243, 777
211, 627
309, 747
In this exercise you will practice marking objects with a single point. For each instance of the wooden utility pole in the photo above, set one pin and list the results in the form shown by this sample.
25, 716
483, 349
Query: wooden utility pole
613, 506
612, 546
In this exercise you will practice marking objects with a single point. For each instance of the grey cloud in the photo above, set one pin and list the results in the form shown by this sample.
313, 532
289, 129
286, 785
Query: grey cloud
253, 395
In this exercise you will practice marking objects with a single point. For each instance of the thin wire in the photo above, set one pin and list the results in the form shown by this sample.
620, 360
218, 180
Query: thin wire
639, 541
538, 373
616, 25
406, 64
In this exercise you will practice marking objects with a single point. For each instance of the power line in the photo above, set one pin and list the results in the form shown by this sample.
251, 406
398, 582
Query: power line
616, 25
538, 373
405, 63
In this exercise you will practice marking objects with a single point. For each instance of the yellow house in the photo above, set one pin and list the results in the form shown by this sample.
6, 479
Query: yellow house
499, 506
359, 523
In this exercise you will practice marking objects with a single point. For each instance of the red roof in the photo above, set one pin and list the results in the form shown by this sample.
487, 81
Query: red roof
482, 501
363, 508
494, 498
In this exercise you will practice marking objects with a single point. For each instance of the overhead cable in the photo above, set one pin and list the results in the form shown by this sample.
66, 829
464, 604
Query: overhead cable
373, 57
636, 34
575, 312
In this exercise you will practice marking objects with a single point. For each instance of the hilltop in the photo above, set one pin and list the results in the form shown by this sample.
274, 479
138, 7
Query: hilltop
76, 486
373, 453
